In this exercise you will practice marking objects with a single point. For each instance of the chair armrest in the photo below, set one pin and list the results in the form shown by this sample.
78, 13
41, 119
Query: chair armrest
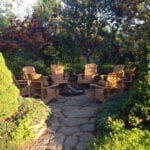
95, 75
53, 86
98, 86
103, 76
22, 81
81, 74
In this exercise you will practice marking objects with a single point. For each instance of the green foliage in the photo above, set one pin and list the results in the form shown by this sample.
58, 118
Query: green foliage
17, 131
19, 60
64, 51
82, 22
41, 67
22, 59
112, 106
137, 107
22, 133
105, 68
8, 92
121, 138
3, 22
48, 11
33, 108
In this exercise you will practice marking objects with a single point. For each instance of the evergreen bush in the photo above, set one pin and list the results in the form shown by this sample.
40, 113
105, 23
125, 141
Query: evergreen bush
8, 92
137, 108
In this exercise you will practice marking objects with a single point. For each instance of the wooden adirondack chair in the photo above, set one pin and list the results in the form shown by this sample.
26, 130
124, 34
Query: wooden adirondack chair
90, 72
57, 74
22, 86
118, 68
103, 88
129, 78
26, 70
40, 87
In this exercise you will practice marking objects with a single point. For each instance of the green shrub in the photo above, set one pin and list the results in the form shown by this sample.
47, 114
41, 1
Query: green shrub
112, 106
105, 68
8, 92
137, 108
17, 131
65, 50
41, 67
33, 108
19, 60
121, 138
22, 59
22, 133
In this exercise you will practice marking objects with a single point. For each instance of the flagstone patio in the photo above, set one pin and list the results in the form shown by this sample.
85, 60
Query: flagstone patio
71, 125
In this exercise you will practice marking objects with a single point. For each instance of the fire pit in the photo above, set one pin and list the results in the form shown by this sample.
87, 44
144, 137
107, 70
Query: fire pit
68, 90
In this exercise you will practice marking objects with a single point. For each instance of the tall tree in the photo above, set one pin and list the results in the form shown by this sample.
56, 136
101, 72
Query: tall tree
88, 21
48, 13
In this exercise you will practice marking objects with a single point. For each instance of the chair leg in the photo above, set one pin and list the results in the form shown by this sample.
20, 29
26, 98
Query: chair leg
92, 93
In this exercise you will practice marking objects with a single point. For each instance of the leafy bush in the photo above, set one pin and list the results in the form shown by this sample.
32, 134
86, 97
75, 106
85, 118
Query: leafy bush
19, 60
17, 130
112, 106
137, 108
8, 92
22, 133
121, 138
41, 67
33, 108
65, 50
105, 68
22, 59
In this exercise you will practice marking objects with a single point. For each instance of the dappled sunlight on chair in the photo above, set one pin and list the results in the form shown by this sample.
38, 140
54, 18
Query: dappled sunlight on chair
26, 70
103, 89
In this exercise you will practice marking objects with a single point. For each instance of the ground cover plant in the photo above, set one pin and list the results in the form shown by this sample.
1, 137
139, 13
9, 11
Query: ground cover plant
18, 115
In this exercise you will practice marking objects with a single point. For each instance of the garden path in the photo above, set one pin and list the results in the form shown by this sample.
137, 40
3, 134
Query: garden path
71, 125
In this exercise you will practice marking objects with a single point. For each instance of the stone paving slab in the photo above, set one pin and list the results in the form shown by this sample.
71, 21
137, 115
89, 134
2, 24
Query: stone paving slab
71, 125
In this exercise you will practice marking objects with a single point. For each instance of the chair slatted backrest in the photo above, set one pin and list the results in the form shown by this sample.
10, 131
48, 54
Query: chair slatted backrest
118, 68
57, 69
28, 69
90, 69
